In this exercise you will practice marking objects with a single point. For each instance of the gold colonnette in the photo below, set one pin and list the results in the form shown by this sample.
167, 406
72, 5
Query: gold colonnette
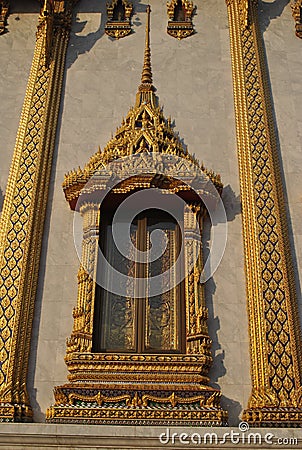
24, 208
125, 388
275, 340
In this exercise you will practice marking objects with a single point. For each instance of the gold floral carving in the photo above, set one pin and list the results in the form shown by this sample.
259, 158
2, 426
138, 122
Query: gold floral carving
125, 388
23, 215
121, 26
180, 28
4, 9
272, 304
297, 15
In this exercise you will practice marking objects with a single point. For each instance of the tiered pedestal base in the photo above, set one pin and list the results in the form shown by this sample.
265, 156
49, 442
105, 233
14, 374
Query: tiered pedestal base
137, 390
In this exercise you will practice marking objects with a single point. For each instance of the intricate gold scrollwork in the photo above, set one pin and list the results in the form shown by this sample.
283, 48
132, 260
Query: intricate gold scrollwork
272, 304
297, 15
180, 14
119, 18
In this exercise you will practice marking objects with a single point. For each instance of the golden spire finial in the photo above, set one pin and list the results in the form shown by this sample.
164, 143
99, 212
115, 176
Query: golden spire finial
146, 89
147, 72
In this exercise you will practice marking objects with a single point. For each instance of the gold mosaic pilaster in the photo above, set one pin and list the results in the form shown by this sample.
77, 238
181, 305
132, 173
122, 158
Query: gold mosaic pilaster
275, 341
81, 337
24, 208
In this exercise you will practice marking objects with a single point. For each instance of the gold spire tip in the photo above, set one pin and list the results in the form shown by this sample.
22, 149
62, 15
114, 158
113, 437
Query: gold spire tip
147, 71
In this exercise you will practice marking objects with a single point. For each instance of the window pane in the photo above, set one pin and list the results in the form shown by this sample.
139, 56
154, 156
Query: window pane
162, 321
118, 313
143, 324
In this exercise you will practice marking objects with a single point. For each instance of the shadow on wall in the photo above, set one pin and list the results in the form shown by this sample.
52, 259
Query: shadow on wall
270, 11
232, 205
81, 43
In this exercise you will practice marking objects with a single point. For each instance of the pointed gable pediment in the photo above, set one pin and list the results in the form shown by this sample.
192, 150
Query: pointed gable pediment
144, 130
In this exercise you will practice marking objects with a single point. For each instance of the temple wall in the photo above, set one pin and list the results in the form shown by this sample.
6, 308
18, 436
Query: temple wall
194, 84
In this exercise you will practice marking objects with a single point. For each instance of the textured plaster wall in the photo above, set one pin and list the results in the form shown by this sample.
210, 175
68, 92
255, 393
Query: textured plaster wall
193, 78
284, 56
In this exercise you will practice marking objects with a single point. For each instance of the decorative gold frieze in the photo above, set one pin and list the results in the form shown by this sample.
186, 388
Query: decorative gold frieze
119, 18
275, 340
180, 14
297, 15
23, 216
139, 388
4, 9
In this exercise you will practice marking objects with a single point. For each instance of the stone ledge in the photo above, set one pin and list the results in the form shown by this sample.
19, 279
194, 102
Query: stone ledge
56, 436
